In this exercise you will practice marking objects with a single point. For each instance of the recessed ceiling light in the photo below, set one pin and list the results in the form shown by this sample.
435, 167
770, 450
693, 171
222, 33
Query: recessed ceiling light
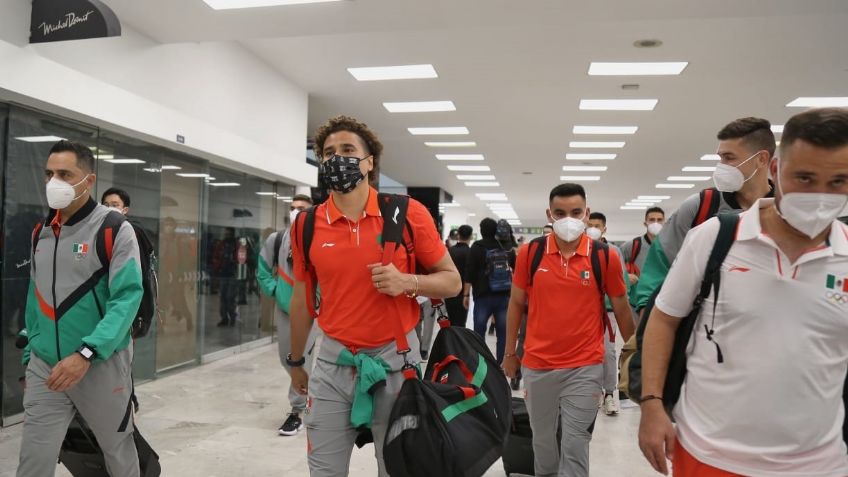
151, 169
579, 178
675, 186
471, 177
483, 184
639, 204
448, 204
266, 193
224, 184
104, 157
643, 202
451, 144
472, 215
576, 156
637, 69
237, 4
710, 157
469, 168
420, 106
652, 197
284, 198
491, 196
777, 128
584, 168
819, 102
633, 207
699, 169
604, 129
126, 161
382, 73
40, 138
439, 131
460, 157
688, 178
192, 174
618, 104
171, 168
596, 144
514, 222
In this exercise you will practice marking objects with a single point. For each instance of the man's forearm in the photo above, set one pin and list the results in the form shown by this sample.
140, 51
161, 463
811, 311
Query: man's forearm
656, 351
441, 284
513, 323
301, 322
623, 316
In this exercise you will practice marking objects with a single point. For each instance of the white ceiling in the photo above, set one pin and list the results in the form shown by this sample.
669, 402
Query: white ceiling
516, 71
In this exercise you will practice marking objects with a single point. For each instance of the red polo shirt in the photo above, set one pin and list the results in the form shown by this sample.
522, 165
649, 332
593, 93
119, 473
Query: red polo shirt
565, 318
352, 311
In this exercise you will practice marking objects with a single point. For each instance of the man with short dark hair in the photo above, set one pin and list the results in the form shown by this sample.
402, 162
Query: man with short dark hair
117, 199
746, 146
563, 357
79, 354
362, 300
777, 328
274, 275
636, 251
457, 313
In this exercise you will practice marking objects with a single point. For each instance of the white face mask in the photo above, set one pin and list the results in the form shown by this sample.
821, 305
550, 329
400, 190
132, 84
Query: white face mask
569, 229
654, 228
594, 233
729, 178
810, 213
60, 194
117, 209
293, 215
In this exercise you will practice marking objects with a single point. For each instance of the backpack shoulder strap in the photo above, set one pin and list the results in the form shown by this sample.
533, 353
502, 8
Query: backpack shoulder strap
278, 242
106, 235
634, 250
307, 233
36, 235
710, 200
599, 248
393, 208
536, 251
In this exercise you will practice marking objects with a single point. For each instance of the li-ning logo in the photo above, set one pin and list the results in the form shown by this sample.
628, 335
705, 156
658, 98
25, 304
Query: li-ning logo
327, 244
397, 212
68, 21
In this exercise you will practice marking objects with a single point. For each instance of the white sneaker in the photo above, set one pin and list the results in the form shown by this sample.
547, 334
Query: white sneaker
610, 408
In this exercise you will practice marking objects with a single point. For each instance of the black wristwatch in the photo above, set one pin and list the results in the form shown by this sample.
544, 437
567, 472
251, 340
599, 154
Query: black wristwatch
295, 364
87, 352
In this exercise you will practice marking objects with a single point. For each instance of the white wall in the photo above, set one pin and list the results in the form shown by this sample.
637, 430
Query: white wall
231, 107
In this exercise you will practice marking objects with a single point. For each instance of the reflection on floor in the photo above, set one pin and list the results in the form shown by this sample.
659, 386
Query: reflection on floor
221, 419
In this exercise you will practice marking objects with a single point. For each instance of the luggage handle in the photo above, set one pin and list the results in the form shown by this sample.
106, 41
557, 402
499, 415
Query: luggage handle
438, 367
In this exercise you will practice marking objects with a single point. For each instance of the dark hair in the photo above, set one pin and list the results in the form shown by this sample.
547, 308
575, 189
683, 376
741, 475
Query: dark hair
488, 228
598, 216
567, 190
755, 133
303, 197
826, 128
125, 198
464, 232
548, 226
453, 233
652, 210
85, 158
344, 123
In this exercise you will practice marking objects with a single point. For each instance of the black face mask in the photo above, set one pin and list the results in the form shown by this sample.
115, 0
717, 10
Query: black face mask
341, 173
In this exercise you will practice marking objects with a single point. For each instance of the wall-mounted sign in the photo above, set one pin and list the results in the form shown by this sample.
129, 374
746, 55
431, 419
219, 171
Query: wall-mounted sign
64, 20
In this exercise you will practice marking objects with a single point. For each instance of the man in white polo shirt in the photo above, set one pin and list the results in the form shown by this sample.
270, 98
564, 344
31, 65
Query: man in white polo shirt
772, 406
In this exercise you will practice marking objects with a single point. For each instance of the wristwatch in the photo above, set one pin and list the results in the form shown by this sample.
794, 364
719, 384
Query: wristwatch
295, 364
87, 352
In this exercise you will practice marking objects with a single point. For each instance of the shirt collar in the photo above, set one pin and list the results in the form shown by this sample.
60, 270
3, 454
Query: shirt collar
372, 208
55, 216
583, 248
750, 228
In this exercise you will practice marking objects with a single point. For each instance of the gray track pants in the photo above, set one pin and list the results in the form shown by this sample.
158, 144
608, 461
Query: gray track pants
102, 397
610, 361
572, 396
331, 388
281, 319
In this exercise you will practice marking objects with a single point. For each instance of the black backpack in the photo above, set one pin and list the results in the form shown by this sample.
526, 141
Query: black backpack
498, 270
148, 309
677, 363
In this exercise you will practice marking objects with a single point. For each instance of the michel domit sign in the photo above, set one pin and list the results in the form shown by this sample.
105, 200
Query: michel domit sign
61, 20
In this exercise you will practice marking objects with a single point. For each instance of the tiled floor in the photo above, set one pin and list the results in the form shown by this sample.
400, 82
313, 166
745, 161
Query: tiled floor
221, 420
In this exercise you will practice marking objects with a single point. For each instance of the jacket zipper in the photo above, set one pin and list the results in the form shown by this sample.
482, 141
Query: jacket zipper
55, 311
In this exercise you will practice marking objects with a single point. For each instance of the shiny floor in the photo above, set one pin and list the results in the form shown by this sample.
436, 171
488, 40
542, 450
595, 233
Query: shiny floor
221, 419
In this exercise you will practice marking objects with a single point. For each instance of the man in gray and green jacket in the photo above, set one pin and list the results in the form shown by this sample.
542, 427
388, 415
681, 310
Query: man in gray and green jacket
85, 289
274, 275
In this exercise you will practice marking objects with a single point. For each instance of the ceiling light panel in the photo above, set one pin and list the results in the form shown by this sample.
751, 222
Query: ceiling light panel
637, 69
439, 131
471, 177
451, 144
596, 144
633, 207
192, 174
777, 128
584, 168
710, 157
420, 107
126, 161
819, 102
618, 104
482, 184
578, 156
579, 178
460, 157
384, 73
491, 196
238, 4
688, 178
40, 138
699, 169
224, 184
613, 130
469, 168
675, 186
654, 197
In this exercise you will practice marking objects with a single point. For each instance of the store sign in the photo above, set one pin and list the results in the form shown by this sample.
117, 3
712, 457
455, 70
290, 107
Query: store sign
529, 230
64, 20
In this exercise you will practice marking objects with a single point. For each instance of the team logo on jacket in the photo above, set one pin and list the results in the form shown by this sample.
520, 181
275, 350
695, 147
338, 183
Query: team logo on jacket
837, 289
80, 250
